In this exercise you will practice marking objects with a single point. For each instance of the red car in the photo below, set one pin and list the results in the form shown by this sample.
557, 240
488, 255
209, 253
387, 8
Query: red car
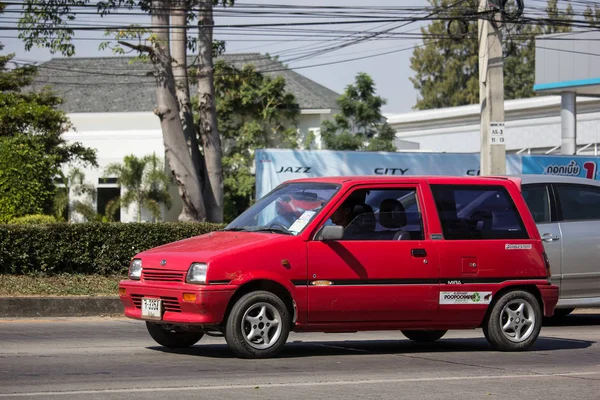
417, 254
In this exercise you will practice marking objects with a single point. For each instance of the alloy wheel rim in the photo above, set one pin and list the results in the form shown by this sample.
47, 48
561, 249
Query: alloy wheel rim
261, 326
518, 320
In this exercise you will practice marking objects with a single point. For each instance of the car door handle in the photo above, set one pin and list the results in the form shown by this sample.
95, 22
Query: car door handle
548, 237
418, 253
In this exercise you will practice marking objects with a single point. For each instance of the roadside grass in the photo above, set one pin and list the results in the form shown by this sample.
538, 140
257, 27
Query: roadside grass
59, 285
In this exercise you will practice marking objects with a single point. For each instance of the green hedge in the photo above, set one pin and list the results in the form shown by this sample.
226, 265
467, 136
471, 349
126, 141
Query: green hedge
85, 248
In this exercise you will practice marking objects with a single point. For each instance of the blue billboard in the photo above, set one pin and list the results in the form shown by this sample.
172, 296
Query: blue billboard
583, 167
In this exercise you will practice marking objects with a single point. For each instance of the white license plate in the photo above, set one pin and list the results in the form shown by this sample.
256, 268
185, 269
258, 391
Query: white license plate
151, 308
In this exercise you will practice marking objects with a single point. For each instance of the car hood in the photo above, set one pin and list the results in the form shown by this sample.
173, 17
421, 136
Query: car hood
205, 248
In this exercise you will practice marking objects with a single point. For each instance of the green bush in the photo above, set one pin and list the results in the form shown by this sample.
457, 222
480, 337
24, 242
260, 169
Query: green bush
85, 248
34, 219
25, 178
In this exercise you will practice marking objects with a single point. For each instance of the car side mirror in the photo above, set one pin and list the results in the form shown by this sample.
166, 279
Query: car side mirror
331, 232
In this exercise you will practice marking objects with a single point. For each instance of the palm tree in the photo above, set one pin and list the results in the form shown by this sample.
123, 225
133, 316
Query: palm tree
145, 182
76, 183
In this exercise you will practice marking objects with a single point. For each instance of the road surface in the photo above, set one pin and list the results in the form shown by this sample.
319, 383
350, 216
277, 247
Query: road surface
115, 358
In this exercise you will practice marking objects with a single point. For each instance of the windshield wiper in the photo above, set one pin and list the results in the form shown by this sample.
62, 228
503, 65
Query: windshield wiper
272, 229
234, 229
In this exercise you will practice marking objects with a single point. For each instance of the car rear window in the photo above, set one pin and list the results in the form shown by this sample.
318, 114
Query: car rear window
473, 212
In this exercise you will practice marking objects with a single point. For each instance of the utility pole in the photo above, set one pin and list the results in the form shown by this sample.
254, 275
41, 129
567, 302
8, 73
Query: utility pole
491, 89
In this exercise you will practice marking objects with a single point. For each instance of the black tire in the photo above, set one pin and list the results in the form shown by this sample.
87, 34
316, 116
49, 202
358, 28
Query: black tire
238, 328
506, 305
172, 338
424, 336
562, 312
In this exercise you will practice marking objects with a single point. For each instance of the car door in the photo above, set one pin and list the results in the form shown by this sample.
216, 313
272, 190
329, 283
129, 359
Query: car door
480, 228
540, 201
383, 269
579, 213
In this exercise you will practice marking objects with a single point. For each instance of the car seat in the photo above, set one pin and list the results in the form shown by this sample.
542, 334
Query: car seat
362, 225
392, 216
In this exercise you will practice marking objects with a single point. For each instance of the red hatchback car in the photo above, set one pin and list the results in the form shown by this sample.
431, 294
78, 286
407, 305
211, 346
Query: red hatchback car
417, 254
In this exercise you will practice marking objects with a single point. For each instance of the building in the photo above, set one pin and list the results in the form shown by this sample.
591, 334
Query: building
533, 126
110, 102
564, 119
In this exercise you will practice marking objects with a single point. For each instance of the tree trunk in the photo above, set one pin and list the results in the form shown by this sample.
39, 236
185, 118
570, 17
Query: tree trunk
176, 148
209, 134
179, 14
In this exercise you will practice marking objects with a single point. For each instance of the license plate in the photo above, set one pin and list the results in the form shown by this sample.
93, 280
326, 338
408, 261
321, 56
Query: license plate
152, 308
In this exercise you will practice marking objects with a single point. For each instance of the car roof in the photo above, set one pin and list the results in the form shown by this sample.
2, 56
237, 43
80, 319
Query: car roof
532, 179
434, 179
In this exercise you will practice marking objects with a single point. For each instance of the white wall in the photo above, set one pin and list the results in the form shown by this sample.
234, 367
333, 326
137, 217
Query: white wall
532, 126
115, 135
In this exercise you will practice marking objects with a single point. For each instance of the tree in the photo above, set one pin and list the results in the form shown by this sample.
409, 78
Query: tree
86, 195
26, 185
255, 111
447, 67
32, 144
197, 174
145, 182
592, 15
360, 125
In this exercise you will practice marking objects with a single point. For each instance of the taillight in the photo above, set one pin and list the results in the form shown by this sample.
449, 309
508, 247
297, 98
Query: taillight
548, 269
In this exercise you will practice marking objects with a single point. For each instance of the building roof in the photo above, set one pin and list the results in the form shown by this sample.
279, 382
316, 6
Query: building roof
118, 84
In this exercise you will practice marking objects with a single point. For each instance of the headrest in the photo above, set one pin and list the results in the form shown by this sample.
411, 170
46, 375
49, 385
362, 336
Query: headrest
392, 214
364, 218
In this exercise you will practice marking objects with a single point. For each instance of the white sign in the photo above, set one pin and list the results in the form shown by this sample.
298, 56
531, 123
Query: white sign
517, 247
497, 133
151, 308
465, 297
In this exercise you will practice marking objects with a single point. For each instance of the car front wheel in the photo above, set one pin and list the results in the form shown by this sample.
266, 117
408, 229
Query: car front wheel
515, 321
172, 337
258, 325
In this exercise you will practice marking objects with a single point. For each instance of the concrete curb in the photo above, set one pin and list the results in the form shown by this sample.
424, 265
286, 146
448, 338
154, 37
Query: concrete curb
90, 306
71, 306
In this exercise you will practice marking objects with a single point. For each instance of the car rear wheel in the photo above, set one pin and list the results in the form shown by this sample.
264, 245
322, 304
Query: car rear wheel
172, 337
423, 336
258, 325
515, 321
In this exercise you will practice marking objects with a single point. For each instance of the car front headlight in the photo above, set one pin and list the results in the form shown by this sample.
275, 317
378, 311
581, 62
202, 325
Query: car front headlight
197, 273
135, 269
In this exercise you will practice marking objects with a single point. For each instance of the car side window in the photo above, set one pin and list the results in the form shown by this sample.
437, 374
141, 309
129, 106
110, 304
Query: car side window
538, 201
578, 202
381, 214
469, 212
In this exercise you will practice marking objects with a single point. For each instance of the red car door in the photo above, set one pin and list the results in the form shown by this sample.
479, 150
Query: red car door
383, 269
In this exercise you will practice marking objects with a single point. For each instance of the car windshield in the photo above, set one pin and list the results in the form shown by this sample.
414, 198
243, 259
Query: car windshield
285, 210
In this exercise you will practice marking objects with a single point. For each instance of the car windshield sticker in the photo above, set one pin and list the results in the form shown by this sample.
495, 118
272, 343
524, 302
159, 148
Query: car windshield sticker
517, 247
307, 215
465, 297
301, 222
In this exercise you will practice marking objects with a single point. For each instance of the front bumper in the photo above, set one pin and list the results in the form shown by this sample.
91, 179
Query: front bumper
549, 295
207, 309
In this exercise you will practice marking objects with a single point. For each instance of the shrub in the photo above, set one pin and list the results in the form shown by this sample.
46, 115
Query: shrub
25, 178
34, 219
85, 248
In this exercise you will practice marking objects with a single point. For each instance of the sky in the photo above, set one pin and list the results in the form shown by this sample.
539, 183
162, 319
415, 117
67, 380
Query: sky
391, 72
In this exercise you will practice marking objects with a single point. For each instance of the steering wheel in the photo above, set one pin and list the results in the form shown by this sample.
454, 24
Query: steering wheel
278, 225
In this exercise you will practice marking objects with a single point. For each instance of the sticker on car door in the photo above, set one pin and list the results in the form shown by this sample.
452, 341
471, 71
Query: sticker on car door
465, 297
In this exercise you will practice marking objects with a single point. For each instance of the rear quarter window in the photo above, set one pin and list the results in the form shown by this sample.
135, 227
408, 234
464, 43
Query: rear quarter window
473, 212
578, 202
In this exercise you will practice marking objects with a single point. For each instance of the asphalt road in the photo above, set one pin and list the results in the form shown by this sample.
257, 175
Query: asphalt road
114, 358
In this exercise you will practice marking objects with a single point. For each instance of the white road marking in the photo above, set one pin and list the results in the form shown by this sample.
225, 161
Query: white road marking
297, 384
